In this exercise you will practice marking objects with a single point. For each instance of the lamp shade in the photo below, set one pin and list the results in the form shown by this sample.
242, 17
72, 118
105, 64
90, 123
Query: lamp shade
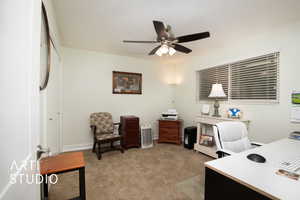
217, 91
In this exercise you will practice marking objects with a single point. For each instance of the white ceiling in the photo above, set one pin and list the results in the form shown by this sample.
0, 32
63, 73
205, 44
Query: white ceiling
101, 25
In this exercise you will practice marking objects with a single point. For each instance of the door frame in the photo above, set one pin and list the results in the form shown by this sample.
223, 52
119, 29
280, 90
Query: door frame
44, 111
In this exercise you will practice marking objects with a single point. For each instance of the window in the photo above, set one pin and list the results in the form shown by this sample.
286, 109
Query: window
210, 76
252, 79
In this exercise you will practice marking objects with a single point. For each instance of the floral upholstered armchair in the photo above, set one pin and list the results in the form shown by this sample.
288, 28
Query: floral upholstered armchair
104, 131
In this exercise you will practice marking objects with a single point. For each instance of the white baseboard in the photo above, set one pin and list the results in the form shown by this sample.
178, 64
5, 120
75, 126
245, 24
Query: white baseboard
81, 147
77, 147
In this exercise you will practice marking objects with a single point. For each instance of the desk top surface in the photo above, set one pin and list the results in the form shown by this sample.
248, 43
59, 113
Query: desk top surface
62, 162
205, 119
262, 177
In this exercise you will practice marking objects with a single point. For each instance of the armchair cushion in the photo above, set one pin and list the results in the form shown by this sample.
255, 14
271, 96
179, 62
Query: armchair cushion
107, 136
103, 122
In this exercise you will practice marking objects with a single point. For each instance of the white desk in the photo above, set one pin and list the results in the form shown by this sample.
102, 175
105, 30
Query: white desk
203, 121
261, 177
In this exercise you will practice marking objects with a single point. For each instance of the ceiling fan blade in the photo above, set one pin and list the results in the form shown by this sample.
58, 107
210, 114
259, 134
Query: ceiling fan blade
134, 41
154, 51
193, 37
181, 48
160, 29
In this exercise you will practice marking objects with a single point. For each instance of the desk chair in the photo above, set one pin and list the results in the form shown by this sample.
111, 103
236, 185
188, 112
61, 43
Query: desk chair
232, 138
103, 129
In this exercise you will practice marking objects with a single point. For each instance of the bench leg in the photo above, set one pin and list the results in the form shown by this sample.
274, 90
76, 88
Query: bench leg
45, 186
82, 183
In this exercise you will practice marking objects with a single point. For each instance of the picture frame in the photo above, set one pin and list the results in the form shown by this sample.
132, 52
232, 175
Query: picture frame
126, 83
206, 140
296, 97
205, 109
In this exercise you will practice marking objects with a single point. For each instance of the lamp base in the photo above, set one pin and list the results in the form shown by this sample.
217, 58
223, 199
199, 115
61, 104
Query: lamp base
216, 111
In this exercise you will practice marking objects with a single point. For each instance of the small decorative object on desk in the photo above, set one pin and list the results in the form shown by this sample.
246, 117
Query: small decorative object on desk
234, 113
206, 140
205, 109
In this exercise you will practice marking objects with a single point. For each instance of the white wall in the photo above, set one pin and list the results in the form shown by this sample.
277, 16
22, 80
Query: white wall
268, 121
87, 80
19, 71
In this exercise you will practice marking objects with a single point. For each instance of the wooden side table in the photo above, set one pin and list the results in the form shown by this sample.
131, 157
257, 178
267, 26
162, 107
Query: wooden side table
64, 163
170, 131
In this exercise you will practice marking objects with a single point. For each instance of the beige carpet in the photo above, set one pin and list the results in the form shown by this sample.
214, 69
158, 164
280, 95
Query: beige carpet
192, 187
164, 172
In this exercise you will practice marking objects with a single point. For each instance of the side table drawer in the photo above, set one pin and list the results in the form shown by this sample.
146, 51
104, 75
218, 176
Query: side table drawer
169, 124
169, 133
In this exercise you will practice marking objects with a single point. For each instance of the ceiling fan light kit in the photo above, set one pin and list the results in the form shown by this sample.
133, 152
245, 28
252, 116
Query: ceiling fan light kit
158, 52
172, 51
168, 42
164, 49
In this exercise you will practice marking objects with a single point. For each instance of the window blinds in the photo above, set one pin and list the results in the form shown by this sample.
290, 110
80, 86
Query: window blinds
252, 79
255, 78
211, 76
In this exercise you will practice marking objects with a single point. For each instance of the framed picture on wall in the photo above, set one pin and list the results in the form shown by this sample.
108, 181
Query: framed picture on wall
127, 83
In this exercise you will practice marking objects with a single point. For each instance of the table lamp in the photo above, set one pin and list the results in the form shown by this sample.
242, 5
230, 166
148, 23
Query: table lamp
217, 92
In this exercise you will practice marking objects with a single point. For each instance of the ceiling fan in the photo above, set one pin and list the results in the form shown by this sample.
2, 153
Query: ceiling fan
168, 42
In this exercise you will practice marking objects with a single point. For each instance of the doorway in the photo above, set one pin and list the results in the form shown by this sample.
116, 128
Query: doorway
51, 107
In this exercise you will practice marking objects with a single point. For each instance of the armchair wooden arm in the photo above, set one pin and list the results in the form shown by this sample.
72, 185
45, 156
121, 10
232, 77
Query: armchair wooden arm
119, 126
93, 128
